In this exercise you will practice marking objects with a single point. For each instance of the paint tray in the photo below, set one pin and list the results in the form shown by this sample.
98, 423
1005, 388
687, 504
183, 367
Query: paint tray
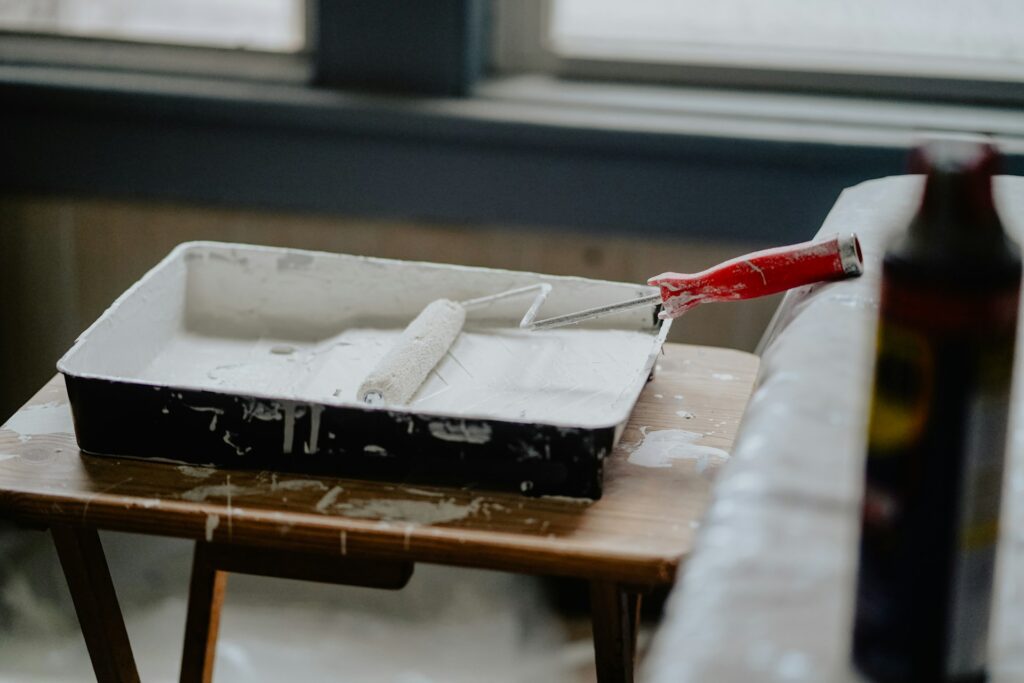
250, 357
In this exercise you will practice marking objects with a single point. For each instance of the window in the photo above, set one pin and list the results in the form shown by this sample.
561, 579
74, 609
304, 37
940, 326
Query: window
311, 130
261, 25
943, 49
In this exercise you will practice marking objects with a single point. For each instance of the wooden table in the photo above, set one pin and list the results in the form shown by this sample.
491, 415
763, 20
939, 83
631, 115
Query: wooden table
372, 533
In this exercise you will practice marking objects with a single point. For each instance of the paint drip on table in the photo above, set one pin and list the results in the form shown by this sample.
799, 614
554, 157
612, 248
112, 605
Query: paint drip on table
44, 419
661, 448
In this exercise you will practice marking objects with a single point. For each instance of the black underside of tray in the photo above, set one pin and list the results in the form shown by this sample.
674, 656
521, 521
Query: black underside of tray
203, 427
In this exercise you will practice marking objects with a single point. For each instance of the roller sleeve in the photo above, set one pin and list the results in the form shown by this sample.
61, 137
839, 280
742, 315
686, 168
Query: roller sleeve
423, 343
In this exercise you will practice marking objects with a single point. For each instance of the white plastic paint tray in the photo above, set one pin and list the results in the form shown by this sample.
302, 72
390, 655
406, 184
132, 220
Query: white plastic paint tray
249, 357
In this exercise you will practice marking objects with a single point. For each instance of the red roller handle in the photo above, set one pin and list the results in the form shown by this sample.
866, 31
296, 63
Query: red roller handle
761, 273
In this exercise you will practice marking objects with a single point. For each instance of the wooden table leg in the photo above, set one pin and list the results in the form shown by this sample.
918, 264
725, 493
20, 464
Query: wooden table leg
205, 596
615, 614
210, 567
92, 591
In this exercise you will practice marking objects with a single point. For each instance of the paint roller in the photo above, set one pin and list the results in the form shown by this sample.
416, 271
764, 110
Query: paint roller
429, 336
754, 275
425, 341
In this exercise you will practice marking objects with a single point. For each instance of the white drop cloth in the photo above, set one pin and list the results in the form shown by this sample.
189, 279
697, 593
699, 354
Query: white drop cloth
767, 596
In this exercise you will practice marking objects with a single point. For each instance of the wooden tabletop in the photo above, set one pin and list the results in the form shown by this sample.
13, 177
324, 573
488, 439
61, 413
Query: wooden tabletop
637, 533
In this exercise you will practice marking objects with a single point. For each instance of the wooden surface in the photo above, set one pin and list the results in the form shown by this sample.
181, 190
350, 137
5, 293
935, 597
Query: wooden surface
636, 534
615, 614
301, 566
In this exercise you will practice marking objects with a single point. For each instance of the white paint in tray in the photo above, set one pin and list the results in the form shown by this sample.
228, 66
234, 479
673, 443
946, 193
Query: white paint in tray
302, 329
564, 376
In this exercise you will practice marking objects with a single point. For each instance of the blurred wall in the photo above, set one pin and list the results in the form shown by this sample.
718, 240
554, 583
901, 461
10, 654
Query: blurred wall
64, 260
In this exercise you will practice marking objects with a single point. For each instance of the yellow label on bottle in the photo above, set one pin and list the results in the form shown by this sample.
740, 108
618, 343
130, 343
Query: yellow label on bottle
903, 388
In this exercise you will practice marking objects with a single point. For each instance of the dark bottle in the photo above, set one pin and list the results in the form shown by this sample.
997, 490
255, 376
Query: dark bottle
936, 442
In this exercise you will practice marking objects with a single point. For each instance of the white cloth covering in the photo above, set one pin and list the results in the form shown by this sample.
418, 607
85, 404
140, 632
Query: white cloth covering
768, 594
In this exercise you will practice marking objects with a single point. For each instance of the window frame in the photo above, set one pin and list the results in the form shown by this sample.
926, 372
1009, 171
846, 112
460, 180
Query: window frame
422, 143
522, 43
441, 53
32, 50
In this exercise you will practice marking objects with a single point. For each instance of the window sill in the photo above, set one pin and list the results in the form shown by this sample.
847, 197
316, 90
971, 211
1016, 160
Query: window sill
526, 150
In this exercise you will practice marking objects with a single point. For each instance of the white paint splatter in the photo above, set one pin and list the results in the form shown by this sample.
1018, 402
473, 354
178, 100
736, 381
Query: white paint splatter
759, 271
227, 480
8, 456
238, 449
569, 499
201, 493
422, 492
314, 429
723, 376
264, 412
296, 484
424, 512
460, 431
196, 472
47, 418
328, 499
660, 448
685, 414
289, 428
212, 522
205, 409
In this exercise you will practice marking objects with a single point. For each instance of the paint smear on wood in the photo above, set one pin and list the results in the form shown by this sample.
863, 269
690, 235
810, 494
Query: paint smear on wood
212, 522
196, 472
423, 512
48, 418
661, 448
